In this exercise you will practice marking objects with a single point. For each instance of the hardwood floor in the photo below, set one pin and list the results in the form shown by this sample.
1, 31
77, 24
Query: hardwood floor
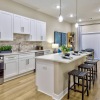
24, 88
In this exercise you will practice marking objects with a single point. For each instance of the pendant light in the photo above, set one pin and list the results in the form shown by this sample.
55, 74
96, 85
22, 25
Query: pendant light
76, 25
60, 16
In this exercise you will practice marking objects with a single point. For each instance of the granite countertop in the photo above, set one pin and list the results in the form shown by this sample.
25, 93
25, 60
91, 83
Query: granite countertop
58, 57
22, 52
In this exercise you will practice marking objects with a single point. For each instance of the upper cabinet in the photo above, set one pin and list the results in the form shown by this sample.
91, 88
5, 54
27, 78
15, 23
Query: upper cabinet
12, 23
41, 31
38, 30
21, 24
6, 26
33, 32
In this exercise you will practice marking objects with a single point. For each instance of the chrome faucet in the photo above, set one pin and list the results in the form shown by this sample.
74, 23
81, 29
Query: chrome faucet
19, 46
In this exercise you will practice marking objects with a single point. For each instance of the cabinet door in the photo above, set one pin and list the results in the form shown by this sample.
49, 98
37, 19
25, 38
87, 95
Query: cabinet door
25, 24
45, 78
11, 69
43, 31
6, 26
30, 64
33, 33
22, 65
17, 24
39, 31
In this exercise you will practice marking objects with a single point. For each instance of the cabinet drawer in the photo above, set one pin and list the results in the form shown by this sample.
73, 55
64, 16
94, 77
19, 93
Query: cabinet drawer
29, 55
10, 57
44, 62
47, 52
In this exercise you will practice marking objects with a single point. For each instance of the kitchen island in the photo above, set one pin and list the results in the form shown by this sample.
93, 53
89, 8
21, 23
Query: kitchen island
52, 73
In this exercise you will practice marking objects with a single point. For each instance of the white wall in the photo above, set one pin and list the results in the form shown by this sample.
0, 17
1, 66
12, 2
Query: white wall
90, 26
52, 23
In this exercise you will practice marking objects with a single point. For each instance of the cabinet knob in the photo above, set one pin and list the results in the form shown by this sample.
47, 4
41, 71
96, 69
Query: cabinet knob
45, 68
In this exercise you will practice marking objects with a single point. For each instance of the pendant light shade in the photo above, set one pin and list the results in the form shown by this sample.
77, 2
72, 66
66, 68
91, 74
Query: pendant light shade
76, 25
60, 19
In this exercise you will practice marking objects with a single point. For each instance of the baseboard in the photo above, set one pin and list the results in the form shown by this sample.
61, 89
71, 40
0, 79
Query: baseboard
17, 76
56, 96
61, 95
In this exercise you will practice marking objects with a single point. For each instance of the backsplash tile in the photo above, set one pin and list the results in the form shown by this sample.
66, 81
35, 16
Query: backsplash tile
25, 45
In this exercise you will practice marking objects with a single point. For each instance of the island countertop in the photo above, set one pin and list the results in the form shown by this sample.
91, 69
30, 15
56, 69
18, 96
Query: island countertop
58, 57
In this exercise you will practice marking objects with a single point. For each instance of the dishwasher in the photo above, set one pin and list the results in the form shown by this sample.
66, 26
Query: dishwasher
39, 53
1, 70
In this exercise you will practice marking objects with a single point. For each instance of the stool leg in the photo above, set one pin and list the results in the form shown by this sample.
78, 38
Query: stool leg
87, 85
78, 78
90, 80
68, 86
92, 76
96, 71
82, 88
74, 83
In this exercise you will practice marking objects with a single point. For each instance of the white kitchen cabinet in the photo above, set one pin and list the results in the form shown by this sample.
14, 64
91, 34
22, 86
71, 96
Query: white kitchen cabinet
17, 24
21, 24
25, 24
22, 66
41, 31
38, 30
6, 26
10, 66
33, 30
26, 62
30, 64
45, 76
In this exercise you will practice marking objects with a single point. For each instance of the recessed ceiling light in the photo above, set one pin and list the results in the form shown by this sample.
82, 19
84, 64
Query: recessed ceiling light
80, 20
71, 15
99, 9
58, 7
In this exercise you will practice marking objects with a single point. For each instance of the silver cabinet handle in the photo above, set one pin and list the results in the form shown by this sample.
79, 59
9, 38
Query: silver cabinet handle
0, 34
41, 37
5, 67
27, 61
23, 29
45, 68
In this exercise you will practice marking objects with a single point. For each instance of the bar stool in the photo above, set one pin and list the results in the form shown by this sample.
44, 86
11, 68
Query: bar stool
87, 68
76, 73
94, 62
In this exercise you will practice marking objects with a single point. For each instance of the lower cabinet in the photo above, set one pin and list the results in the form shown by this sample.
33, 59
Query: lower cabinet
26, 65
30, 64
45, 76
17, 64
22, 66
11, 69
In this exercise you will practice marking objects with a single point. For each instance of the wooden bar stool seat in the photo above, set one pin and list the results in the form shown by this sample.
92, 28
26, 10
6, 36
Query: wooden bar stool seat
76, 73
94, 62
87, 68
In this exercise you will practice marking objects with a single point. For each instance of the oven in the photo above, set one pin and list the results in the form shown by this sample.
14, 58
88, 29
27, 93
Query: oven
39, 53
1, 70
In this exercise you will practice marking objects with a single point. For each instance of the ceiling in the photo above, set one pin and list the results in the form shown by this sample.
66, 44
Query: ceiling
87, 9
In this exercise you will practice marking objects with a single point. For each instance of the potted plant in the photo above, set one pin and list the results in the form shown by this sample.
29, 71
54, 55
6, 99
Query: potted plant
6, 49
65, 49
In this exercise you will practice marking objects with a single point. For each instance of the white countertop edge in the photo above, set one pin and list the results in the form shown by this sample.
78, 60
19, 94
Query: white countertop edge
23, 52
46, 57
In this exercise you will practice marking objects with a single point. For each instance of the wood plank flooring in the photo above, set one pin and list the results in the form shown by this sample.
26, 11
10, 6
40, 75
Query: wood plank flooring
24, 88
